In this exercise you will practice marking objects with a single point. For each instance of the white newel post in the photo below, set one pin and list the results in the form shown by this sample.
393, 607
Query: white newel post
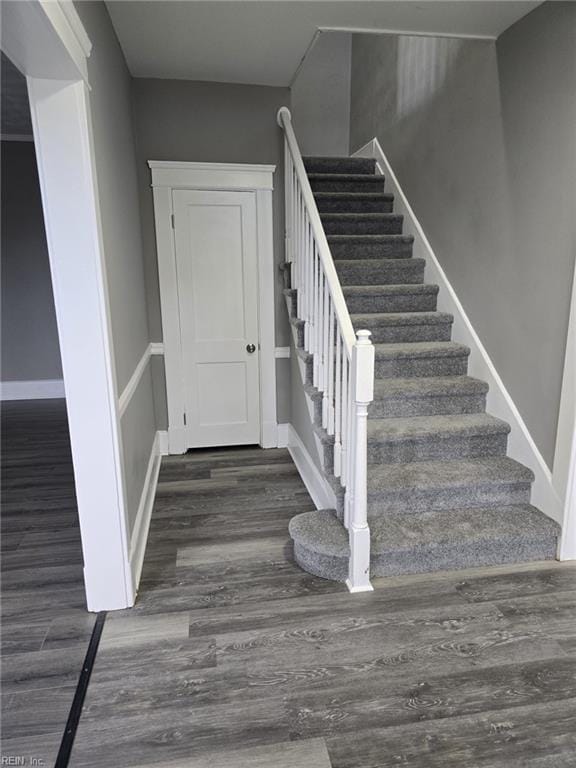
358, 530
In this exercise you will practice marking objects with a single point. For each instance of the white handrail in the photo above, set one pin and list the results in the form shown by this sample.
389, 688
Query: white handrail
340, 308
343, 361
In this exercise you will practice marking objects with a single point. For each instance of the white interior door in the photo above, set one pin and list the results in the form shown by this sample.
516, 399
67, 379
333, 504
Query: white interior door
217, 266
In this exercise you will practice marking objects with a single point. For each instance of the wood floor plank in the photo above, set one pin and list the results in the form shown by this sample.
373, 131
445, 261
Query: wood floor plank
45, 626
311, 753
233, 654
504, 737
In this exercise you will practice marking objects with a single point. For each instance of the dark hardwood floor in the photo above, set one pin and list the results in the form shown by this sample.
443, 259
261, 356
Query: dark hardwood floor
45, 626
233, 657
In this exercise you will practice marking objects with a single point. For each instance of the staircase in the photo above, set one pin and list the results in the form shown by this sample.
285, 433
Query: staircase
441, 492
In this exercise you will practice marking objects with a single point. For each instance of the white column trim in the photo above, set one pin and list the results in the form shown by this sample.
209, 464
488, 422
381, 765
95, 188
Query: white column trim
564, 469
139, 537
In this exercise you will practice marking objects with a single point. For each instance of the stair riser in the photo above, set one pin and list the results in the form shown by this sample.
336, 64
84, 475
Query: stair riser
333, 568
399, 407
401, 303
299, 335
407, 333
309, 371
419, 500
384, 205
407, 368
490, 552
363, 226
370, 184
340, 165
436, 448
382, 273
369, 250
450, 557
291, 304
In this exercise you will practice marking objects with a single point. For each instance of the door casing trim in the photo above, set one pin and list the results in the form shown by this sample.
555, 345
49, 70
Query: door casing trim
236, 177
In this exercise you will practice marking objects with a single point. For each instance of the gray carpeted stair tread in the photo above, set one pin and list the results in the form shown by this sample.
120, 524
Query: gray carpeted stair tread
427, 396
374, 319
402, 327
346, 182
362, 177
447, 474
466, 425
411, 289
354, 202
435, 437
448, 386
353, 196
381, 271
423, 349
329, 164
427, 542
361, 223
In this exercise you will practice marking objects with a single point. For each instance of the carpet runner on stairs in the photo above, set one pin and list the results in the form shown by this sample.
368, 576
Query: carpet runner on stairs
442, 494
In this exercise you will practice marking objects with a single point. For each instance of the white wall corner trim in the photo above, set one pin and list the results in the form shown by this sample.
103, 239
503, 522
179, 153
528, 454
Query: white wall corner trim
313, 479
282, 353
564, 470
521, 446
41, 389
139, 536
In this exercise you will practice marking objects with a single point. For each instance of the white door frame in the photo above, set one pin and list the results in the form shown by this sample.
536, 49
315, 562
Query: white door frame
166, 177
47, 42
564, 474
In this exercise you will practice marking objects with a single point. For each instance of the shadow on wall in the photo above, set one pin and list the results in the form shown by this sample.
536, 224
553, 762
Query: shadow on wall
471, 160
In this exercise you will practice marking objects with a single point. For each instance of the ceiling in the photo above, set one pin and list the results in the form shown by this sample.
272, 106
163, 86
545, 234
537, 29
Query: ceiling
263, 41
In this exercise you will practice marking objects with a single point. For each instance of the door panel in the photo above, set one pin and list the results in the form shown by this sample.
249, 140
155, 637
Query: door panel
217, 265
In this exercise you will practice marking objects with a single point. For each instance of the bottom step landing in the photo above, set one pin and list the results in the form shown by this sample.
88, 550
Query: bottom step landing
425, 542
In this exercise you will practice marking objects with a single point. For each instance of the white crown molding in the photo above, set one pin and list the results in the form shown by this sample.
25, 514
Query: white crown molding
167, 173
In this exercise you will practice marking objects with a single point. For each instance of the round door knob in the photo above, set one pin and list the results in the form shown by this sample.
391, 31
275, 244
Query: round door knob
250, 348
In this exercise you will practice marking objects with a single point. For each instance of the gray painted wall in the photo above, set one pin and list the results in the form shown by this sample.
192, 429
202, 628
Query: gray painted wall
482, 139
30, 349
321, 96
111, 107
210, 122
537, 64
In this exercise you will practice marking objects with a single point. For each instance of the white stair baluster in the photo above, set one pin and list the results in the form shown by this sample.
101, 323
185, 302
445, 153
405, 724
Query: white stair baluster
343, 362
331, 352
338, 406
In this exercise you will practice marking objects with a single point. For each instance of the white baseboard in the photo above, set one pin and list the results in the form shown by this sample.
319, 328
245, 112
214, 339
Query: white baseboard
163, 442
521, 446
315, 482
42, 389
139, 536
283, 435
